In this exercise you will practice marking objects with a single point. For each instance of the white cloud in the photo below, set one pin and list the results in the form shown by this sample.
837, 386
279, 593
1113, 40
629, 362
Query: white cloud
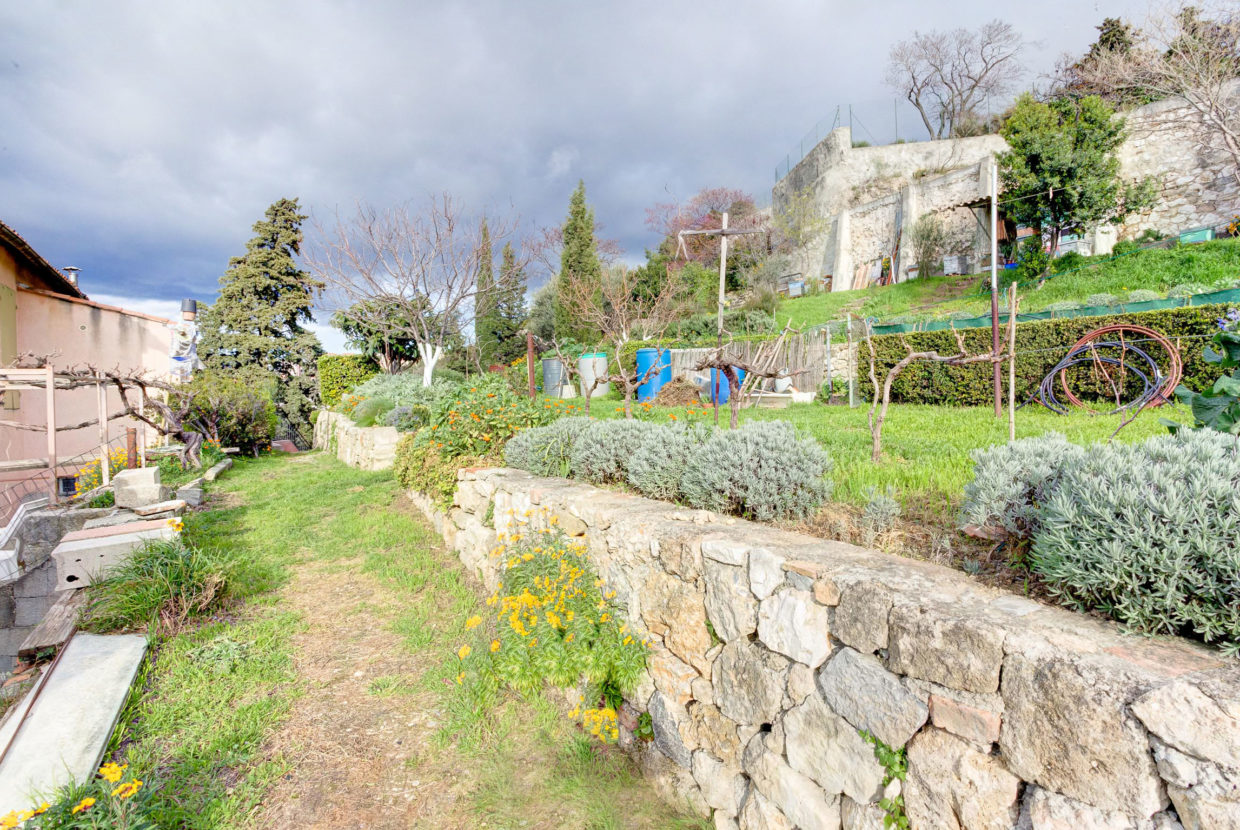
561, 161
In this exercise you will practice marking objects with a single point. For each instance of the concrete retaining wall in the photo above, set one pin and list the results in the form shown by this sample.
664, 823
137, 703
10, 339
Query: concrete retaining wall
774, 650
367, 448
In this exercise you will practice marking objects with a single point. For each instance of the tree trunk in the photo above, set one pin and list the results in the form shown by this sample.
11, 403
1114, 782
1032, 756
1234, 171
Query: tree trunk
431, 355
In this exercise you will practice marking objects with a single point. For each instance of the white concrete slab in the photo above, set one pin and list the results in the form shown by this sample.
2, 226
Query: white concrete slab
61, 737
82, 561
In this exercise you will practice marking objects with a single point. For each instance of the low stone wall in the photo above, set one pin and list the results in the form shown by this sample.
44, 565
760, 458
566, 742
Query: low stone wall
774, 650
367, 448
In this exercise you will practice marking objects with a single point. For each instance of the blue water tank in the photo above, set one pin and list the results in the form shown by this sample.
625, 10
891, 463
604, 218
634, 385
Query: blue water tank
720, 389
646, 358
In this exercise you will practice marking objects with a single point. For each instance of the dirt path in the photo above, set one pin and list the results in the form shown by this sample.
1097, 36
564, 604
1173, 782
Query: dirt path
357, 739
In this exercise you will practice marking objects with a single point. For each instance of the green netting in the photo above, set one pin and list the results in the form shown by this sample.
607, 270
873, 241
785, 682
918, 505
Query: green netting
1226, 296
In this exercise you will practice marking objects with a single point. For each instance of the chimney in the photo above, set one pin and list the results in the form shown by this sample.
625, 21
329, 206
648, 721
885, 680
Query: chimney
71, 274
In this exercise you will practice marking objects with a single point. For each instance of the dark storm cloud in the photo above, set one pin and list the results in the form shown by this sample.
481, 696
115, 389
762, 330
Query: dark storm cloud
140, 141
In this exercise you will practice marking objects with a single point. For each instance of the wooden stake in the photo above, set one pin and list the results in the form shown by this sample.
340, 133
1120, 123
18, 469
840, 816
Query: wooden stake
1012, 305
105, 468
51, 433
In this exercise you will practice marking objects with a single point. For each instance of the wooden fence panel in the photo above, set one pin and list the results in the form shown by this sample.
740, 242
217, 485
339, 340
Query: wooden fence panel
807, 352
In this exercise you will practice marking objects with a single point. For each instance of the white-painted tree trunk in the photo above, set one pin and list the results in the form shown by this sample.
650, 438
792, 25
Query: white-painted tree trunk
431, 355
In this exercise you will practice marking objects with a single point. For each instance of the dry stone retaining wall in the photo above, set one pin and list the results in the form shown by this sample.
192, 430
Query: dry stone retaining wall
774, 650
367, 448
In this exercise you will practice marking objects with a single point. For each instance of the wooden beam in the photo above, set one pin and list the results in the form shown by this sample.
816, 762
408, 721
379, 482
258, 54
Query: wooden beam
57, 625
52, 496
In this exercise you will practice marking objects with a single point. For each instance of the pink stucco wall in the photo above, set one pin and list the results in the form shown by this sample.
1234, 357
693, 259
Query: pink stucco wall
79, 333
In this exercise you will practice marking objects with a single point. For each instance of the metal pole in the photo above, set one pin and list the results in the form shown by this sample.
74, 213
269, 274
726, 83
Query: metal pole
994, 282
529, 361
723, 271
131, 448
52, 495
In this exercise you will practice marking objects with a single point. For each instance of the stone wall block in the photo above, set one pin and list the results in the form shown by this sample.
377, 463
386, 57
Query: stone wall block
715, 733
794, 794
1199, 719
726, 550
1206, 796
791, 623
723, 786
973, 723
871, 698
952, 786
861, 615
765, 571
857, 816
758, 813
730, 606
1066, 727
666, 718
749, 682
677, 613
830, 750
1047, 810
671, 676
947, 646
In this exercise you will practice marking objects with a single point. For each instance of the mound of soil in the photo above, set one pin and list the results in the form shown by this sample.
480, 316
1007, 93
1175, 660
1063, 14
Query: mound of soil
679, 392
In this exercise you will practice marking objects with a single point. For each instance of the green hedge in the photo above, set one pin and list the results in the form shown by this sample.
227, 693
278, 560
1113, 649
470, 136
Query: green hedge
338, 373
1039, 347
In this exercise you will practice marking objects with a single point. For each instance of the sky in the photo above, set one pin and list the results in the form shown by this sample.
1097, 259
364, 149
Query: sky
140, 142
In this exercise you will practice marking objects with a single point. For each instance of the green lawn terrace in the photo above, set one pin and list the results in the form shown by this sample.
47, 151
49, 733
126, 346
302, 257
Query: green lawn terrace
1213, 265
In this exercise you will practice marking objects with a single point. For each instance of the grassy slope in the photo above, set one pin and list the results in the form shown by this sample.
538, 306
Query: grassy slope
1210, 263
202, 734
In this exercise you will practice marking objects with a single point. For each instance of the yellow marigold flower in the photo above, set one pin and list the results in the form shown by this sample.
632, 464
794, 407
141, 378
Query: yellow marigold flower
494, 646
10, 820
460, 678
112, 772
84, 804
41, 809
129, 789
473, 622
463, 651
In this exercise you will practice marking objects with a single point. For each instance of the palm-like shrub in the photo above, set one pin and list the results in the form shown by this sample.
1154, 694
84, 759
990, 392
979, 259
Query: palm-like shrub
1150, 534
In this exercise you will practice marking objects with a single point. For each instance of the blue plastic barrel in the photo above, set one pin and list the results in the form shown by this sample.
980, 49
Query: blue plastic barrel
646, 358
720, 389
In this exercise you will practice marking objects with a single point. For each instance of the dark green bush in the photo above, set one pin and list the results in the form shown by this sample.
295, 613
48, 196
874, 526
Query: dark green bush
339, 373
1150, 534
421, 465
234, 411
1039, 345
1068, 262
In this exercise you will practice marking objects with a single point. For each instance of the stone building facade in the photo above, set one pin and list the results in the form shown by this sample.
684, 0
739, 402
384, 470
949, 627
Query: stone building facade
870, 197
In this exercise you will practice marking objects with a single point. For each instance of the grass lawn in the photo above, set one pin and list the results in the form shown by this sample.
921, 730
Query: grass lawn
926, 448
237, 723
1212, 264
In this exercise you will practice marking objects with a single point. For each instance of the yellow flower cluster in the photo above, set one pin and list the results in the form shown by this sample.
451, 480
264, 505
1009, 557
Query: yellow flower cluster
14, 818
89, 476
176, 524
601, 723
112, 772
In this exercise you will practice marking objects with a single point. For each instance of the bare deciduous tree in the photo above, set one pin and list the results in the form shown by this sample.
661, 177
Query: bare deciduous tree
406, 272
948, 75
1181, 54
615, 307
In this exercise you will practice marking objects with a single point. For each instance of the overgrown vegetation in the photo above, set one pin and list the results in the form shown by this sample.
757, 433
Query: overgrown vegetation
340, 373
113, 798
554, 622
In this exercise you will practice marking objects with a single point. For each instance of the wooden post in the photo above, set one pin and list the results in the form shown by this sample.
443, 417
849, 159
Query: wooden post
830, 390
1012, 363
131, 448
723, 271
852, 368
52, 495
994, 282
529, 361
142, 433
105, 468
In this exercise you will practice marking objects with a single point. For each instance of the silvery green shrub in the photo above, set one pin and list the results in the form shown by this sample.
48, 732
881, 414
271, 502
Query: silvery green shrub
602, 450
1187, 289
657, 466
1150, 534
1101, 299
1142, 295
763, 470
406, 389
1011, 481
545, 451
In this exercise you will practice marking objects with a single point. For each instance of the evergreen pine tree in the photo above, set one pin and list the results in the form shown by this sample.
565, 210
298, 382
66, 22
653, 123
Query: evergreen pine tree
256, 326
511, 311
486, 302
578, 259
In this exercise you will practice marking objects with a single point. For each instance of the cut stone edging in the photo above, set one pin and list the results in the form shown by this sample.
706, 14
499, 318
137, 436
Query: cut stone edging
367, 448
1014, 714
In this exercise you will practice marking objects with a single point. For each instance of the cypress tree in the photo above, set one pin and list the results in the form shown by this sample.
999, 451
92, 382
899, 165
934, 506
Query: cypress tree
256, 328
486, 302
578, 260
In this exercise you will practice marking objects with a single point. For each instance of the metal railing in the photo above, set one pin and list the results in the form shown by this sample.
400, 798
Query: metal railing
37, 485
